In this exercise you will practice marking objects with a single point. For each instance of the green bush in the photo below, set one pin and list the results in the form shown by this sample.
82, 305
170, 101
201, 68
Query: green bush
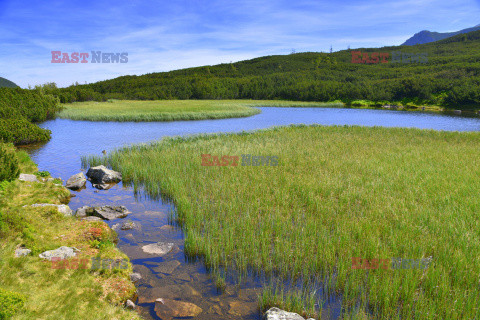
42, 174
34, 105
19, 109
8, 163
10, 303
22, 131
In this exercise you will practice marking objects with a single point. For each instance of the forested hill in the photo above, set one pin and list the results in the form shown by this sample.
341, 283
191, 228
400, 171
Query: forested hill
7, 83
451, 77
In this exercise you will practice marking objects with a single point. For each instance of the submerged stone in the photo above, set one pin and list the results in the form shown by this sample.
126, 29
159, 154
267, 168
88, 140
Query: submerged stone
167, 267
150, 295
168, 309
159, 248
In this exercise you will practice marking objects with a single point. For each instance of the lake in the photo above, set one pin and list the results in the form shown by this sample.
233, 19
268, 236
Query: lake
172, 276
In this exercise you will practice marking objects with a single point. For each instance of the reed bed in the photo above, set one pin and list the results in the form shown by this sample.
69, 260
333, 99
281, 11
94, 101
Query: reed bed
338, 192
172, 110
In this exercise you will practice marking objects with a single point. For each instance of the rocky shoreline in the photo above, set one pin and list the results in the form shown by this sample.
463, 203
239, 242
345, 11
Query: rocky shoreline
166, 305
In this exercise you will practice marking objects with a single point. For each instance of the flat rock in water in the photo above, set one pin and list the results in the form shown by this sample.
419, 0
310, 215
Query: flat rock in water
102, 175
129, 225
166, 228
111, 212
168, 309
183, 276
278, 314
167, 267
159, 248
155, 213
215, 309
150, 295
76, 181
103, 186
62, 208
142, 270
28, 177
62, 253
242, 308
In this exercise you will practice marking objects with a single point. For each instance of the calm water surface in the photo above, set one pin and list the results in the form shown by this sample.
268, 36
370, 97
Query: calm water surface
172, 276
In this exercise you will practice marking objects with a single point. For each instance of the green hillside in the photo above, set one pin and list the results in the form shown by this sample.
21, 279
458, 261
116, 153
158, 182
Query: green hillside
450, 78
7, 83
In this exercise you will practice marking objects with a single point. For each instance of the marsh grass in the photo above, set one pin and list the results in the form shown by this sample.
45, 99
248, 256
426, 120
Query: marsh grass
56, 293
338, 192
171, 110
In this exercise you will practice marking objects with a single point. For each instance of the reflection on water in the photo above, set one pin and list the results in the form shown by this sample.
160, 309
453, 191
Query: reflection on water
172, 276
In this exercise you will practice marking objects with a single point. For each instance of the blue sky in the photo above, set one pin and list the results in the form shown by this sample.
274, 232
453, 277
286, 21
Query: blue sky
168, 35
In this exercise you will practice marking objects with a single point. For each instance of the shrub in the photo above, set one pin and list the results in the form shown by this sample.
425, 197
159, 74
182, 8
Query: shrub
42, 174
8, 163
19, 108
34, 105
10, 303
22, 131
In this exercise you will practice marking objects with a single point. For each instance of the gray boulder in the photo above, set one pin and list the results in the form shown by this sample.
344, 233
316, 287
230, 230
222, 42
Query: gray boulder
101, 175
130, 305
110, 212
84, 211
62, 253
28, 177
76, 181
134, 277
278, 314
62, 208
22, 252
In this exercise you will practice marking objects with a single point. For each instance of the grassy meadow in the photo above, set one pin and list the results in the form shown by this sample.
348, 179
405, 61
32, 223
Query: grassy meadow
374, 193
171, 110
46, 292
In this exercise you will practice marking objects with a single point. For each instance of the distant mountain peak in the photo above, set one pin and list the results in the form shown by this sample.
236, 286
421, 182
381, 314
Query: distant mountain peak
426, 36
7, 83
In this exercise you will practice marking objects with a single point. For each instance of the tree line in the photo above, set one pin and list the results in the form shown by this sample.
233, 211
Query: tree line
450, 78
